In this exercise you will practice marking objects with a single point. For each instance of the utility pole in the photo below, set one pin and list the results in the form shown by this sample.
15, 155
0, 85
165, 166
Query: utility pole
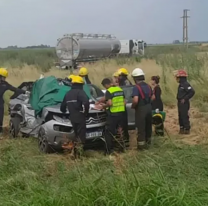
185, 26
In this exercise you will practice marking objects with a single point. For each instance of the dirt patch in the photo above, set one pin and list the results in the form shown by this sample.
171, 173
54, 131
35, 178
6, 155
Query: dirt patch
199, 127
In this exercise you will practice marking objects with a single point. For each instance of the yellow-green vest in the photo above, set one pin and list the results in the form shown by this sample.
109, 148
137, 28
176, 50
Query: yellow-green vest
118, 104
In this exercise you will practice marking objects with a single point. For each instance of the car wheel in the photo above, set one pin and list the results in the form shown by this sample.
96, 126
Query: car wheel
14, 126
43, 142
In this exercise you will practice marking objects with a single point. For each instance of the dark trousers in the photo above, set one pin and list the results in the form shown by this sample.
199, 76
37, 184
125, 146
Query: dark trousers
112, 124
1, 118
80, 131
125, 126
143, 120
183, 116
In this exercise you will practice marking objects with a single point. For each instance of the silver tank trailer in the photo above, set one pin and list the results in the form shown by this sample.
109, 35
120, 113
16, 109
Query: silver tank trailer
86, 46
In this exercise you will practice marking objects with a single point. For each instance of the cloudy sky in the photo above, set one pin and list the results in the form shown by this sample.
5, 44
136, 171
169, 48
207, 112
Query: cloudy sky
34, 22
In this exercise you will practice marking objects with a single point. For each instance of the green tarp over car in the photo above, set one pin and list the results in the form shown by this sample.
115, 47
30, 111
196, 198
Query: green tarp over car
48, 92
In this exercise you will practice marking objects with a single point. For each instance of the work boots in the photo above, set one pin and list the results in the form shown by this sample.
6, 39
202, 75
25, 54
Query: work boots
142, 145
181, 131
184, 131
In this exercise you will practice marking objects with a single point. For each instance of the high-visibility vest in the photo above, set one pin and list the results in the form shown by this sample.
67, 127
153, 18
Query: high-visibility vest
118, 104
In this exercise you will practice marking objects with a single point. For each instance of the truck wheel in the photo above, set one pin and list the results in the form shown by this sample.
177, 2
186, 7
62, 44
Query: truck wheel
43, 145
14, 126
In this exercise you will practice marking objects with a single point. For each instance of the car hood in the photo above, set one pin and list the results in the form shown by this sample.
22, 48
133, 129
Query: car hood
56, 109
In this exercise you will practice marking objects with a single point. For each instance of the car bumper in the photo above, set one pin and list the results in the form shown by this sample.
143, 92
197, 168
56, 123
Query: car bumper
59, 133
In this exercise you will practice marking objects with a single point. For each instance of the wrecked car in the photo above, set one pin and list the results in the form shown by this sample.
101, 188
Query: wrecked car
39, 115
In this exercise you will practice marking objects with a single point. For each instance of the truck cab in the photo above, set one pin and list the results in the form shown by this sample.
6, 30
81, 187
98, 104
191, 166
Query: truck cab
138, 47
131, 47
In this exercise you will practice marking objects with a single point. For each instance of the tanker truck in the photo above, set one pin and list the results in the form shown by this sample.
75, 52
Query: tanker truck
78, 47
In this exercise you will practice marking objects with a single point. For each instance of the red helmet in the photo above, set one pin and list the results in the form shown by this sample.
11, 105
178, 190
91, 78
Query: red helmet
181, 73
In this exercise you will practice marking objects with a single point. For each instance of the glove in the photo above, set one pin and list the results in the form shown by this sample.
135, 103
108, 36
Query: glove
27, 93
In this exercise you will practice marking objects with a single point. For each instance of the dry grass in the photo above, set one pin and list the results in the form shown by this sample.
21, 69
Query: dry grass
97, 71
101, 69
161, 176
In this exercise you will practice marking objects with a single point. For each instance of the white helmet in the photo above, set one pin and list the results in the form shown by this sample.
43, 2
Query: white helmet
137, 72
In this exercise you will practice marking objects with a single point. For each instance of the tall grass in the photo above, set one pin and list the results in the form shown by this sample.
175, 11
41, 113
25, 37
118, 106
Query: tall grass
196, 66
167, 58
166, 175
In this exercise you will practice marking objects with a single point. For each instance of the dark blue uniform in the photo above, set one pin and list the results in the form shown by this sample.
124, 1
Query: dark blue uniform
185, 92
4, 86
74, 100
143, 113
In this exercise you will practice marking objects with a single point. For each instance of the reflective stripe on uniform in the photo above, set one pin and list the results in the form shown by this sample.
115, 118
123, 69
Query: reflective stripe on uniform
71, 101
117, 100
141, 143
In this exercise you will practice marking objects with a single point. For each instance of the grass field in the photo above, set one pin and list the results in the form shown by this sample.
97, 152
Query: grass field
173, 172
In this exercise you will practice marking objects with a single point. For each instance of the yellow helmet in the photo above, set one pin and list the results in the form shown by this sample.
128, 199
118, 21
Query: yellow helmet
71, 76
77, 80
3, 72
83, 71
123, 71
115, 74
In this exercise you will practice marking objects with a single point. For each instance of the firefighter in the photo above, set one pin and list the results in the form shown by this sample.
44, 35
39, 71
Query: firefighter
185, 93
157, 106
142, 94
115, 78
70, 77
4, 86
115, 105
77, 103
123, 77
83, 72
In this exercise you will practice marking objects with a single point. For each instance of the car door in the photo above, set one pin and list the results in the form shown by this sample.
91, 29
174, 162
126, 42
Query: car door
131, 112
96, 92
